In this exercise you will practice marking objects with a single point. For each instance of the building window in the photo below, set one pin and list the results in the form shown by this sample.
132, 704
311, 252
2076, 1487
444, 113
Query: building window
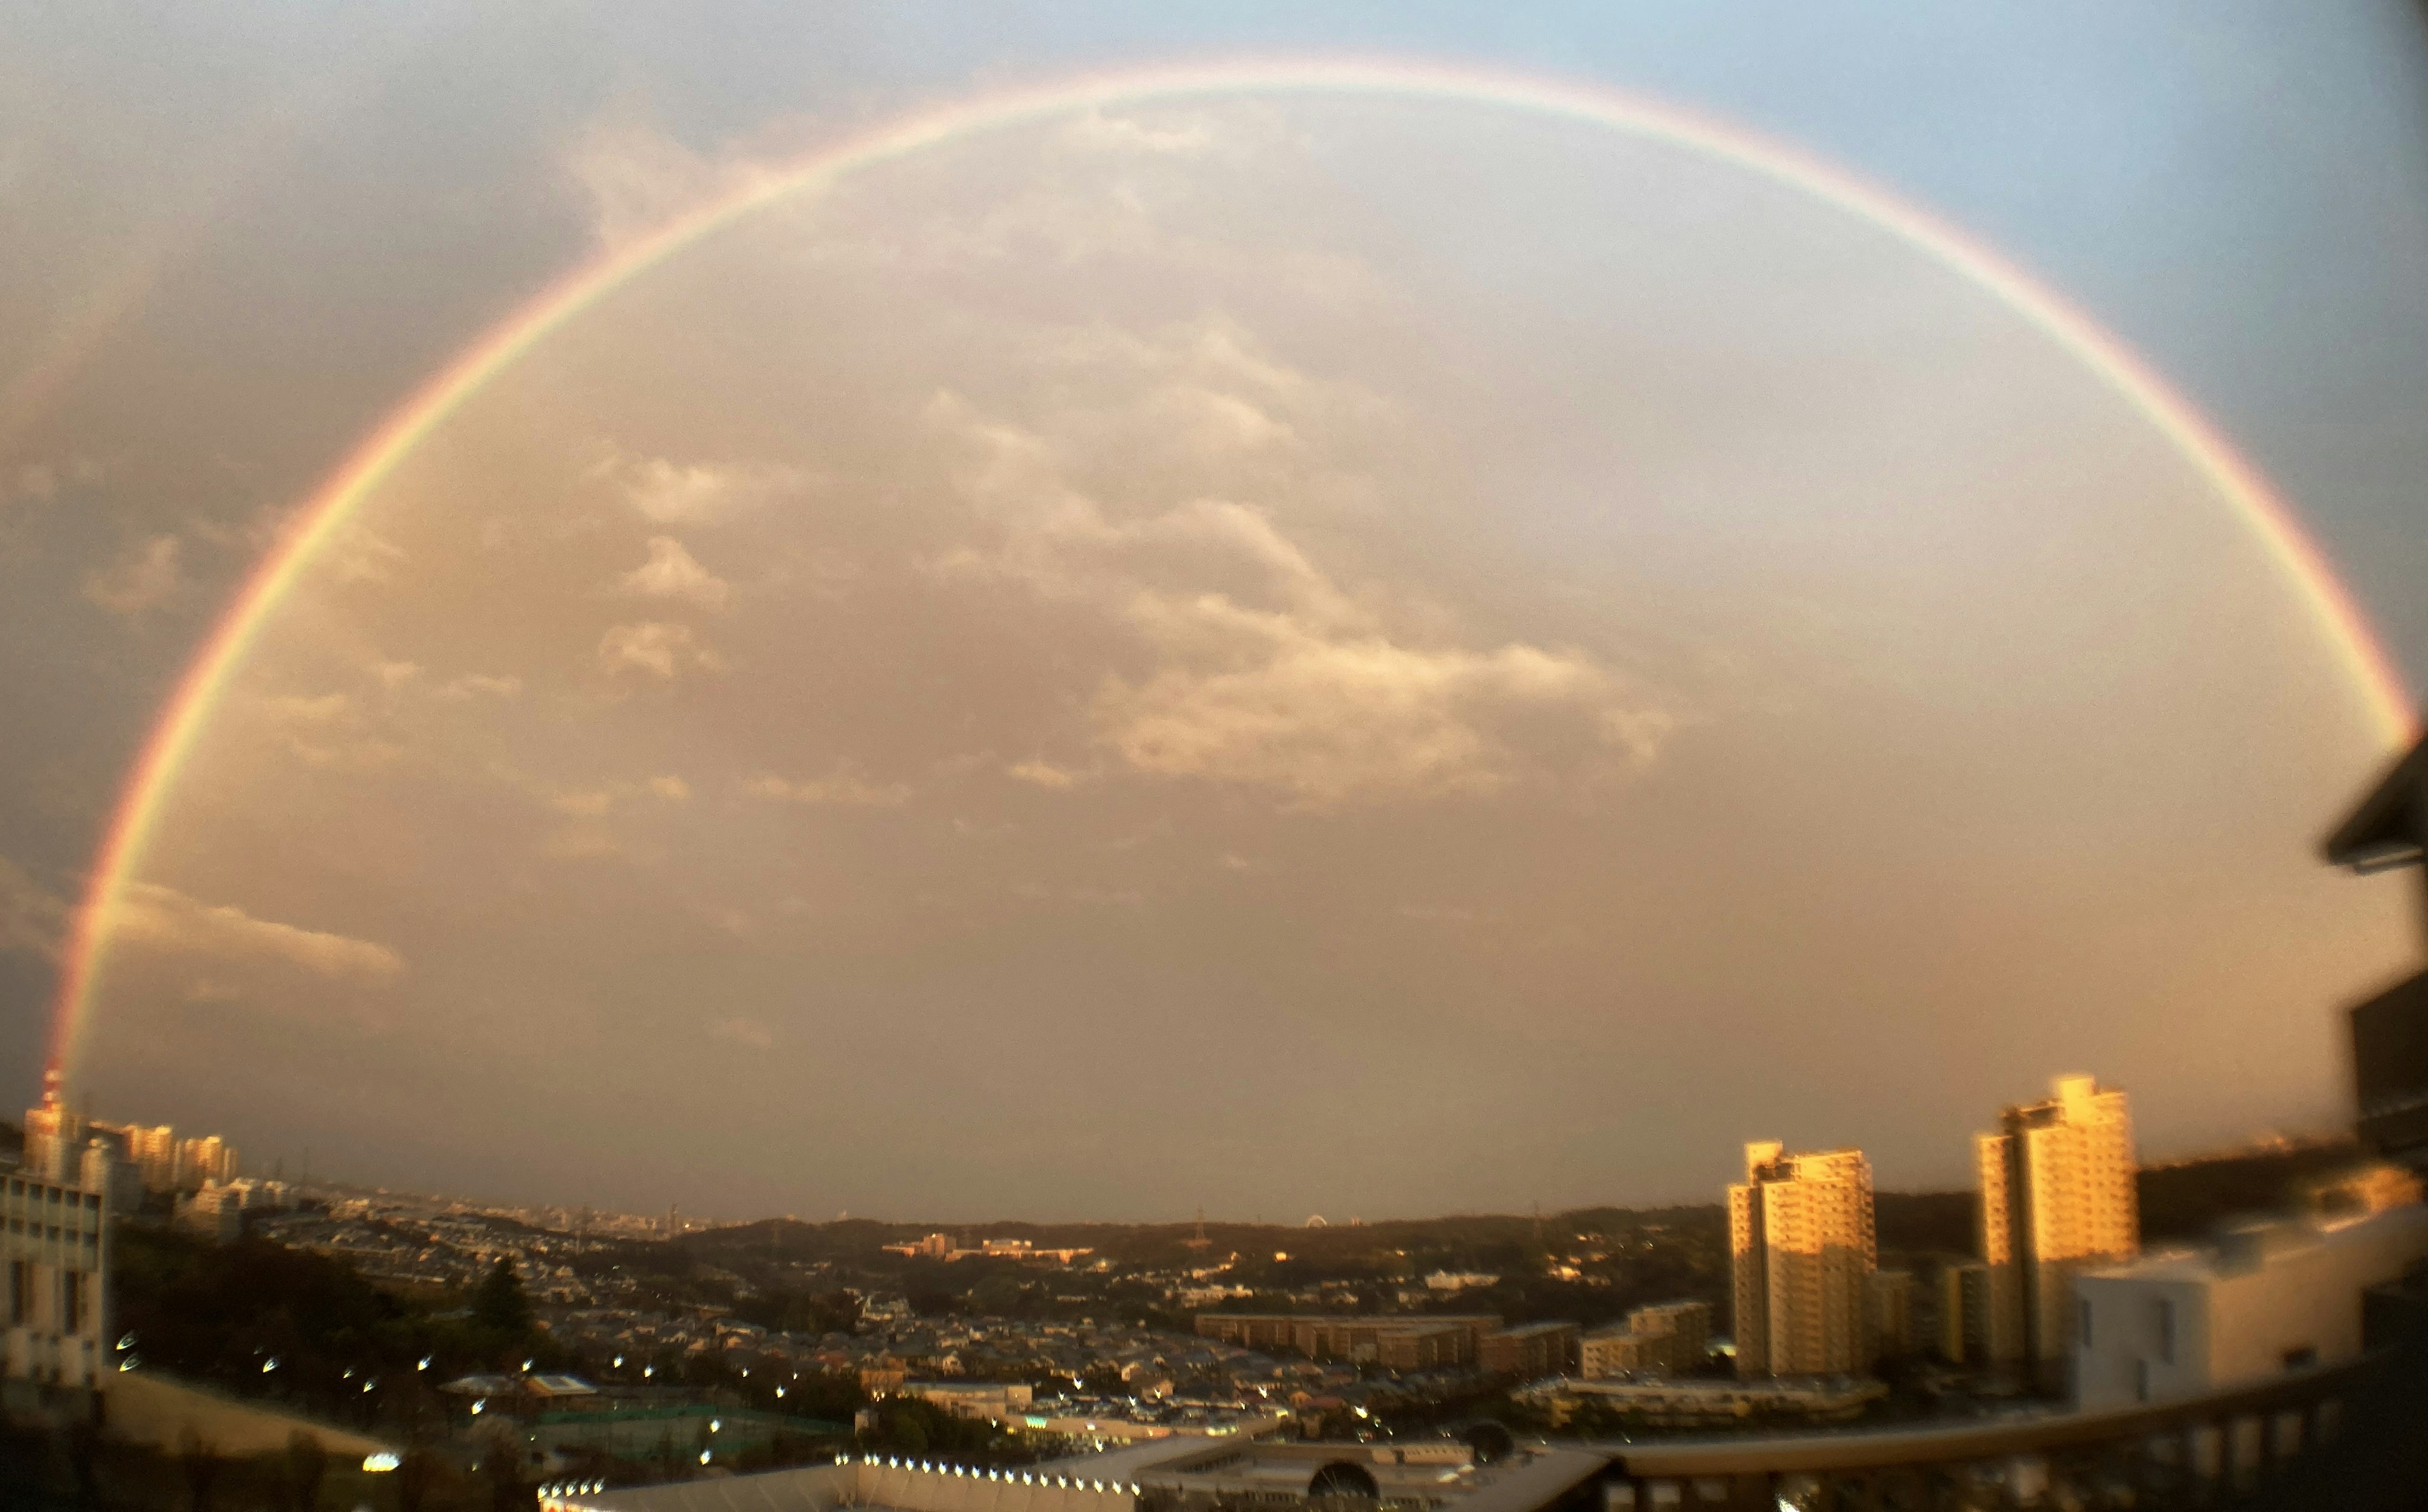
2166, 1308
2302, 1358
2140, 1380
2083, 1306
21, 1292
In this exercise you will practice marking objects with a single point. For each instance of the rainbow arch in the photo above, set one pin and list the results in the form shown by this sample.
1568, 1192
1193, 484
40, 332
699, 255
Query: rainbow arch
2246, 493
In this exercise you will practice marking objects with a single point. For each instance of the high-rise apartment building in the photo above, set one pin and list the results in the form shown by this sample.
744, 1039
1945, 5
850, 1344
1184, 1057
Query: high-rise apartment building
55, 1134
1964, 1312
204, 1161
2056, 1198
1802, 1250
153, 1151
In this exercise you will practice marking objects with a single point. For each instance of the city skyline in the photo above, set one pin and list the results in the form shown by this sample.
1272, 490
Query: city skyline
1097, 638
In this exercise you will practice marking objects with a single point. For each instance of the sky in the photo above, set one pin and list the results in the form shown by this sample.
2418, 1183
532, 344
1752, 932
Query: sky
1280, 651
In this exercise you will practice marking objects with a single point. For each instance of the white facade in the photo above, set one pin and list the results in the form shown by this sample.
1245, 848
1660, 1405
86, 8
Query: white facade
53, 1258
2267, 1300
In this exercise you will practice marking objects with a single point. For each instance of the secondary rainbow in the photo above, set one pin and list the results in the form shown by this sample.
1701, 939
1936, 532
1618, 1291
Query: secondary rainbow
2270, 521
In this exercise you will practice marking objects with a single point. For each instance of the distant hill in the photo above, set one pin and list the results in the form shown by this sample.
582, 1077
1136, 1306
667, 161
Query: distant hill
2182, 1201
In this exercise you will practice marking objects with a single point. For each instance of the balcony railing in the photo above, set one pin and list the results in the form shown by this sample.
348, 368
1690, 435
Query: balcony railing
2196, 1452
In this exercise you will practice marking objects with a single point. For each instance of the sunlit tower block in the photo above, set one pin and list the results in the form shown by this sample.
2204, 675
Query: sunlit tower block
2056, 1198
55, 1133
1802, 1251
203, 1160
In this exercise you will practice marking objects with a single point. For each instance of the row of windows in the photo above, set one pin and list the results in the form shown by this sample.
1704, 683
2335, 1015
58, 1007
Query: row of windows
75, 1296
56, 1195
40, 1234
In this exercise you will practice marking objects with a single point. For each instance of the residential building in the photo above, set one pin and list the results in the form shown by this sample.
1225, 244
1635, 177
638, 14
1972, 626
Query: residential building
1666, 1338
1531, 1351
2056, 1198
103, 1167
55, 1243
203, 1160
216, 1212
154, 1150
1889, 1307
1406, 1341
1803, 1249
1964, 1312
1663, 1403
995, 1400
2269, 1298
55, 1134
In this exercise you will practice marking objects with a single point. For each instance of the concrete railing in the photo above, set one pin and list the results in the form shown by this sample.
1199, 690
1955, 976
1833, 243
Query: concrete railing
2191, 1452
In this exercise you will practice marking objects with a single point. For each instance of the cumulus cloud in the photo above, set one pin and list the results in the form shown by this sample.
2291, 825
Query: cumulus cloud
166, 920
143, 578
658, 648
1266, 669
842, 787
672, 572
665, 492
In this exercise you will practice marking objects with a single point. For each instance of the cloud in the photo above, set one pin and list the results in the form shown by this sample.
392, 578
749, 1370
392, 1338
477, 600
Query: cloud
32, 919
1187, 136
330, 730
479, 684
1043, 774
664, 492
1266, 668
141, 579
593, 802
1333, 718
658, 648
844, 788
361, 555
671, 572
166, 920
745, 1032
637, 179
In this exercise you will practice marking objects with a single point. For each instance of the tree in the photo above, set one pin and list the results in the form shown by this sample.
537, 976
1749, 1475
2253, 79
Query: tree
500, 1306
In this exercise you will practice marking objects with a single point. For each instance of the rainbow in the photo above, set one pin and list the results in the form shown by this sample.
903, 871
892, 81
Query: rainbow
2270, 521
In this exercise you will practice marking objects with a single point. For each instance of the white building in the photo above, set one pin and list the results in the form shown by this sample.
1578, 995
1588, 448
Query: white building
2269, 1298
55, 1247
